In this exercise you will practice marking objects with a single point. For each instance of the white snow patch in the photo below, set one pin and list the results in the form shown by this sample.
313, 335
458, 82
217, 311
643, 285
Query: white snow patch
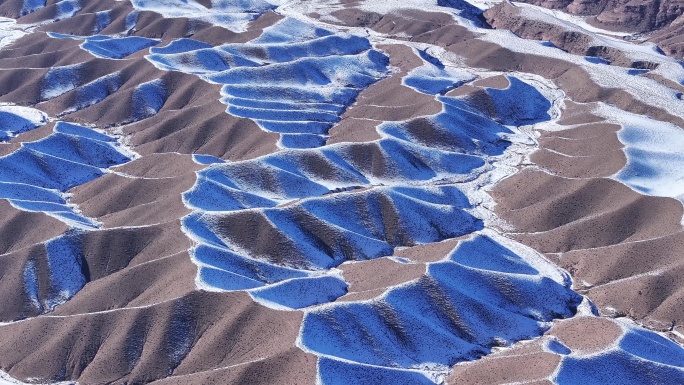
655, 161
17, 119
232, 15
9, 31
6, 379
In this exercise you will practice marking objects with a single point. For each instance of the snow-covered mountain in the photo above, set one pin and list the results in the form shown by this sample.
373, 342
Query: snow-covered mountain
341, 192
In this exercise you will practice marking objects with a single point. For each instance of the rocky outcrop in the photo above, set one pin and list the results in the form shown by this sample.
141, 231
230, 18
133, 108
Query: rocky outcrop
571, 39
627, 15
663, 20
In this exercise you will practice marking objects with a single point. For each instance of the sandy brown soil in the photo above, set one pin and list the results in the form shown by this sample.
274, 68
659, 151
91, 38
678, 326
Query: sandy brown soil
130, 201
22, 229
619, 245
385, 101
661, 20
142, 344
575, 41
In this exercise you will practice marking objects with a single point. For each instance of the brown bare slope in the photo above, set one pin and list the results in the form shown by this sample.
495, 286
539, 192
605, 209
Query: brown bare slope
619, 245
203, 126
507, 16
662, 20
22, 229
179, 339
385, 101
100, 255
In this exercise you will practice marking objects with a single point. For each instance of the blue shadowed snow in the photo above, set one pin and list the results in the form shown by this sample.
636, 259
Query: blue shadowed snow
403, 217
459, 128
60, 80
31, 284
299, 293
596, 60
206, 159
311, 203
430, 59
109, 47
290, 30
203, 61
26, 166
289, 116
640, 357
65, 263
15, 120
434, 81
324, 229
302, 140
235, 186
226, 280
301, 127
514, 293
466, 9
434, 78
519, 104
484, 253
356, 226
180, 46
348, 71
617, 368
653, 347
295, 79
67, 9
626, 367
334, 45
224, 187
284, 105
148, 99
252, 54
33, 176
82, 131
453, 314
636, 71
32, 6
116, 47
95, 91
253, 269
103, 20
291, 128
29, 193
79, 149
212, 195
245, 184
291, 94
131, 20
65, 214
199, 228
556, 347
